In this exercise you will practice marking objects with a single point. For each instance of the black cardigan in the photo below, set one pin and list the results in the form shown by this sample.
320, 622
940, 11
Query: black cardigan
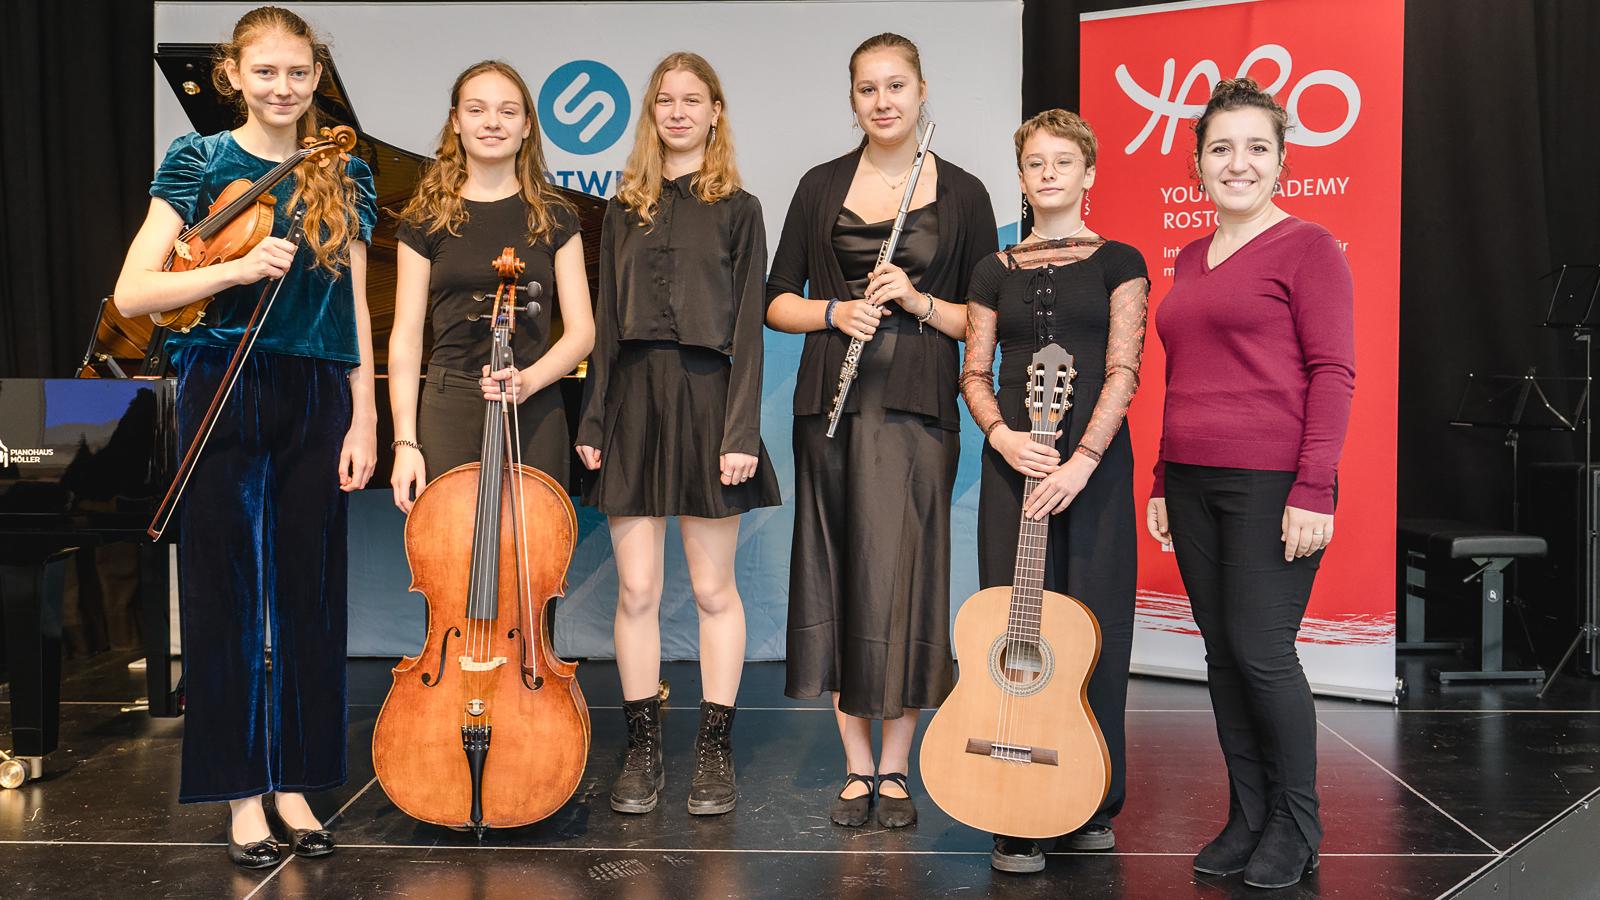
923, 377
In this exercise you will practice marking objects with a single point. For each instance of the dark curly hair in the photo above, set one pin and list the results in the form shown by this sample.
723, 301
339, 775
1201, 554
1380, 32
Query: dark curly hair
1240, 93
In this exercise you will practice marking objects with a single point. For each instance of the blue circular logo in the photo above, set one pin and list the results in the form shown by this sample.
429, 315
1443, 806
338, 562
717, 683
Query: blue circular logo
583, 107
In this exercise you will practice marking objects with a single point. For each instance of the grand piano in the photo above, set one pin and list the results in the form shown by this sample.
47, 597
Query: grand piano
84, 461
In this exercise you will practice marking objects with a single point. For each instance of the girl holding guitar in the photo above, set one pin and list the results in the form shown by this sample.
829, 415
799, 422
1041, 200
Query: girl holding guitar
1064, 284
264, 538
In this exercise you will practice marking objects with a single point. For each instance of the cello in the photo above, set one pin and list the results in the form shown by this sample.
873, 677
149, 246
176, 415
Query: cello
1015, 748
486, 727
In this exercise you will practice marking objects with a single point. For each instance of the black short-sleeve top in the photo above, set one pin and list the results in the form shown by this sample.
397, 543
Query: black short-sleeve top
461, 265
1069, 305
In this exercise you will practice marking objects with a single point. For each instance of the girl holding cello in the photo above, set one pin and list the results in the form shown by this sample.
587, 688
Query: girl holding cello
264, 539
672, 410
485, 191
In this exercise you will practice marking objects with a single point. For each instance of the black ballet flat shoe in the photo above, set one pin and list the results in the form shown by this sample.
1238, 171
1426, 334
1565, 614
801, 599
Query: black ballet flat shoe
311, 842
1229, 851
1088, 839
895, 812
1283, 857
1016, 855
852, 813
256, 854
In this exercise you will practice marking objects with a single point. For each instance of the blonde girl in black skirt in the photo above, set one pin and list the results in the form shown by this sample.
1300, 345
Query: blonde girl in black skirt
672, 410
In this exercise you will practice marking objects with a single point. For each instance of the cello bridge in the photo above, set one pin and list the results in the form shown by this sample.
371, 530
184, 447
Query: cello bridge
468, 664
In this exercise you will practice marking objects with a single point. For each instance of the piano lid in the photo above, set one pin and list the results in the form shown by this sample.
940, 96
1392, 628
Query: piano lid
395, 172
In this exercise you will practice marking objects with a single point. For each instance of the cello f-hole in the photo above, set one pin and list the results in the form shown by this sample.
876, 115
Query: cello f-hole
444, 654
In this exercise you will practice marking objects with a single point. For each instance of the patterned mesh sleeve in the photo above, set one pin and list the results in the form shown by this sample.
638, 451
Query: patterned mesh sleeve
977, 370
1124, 349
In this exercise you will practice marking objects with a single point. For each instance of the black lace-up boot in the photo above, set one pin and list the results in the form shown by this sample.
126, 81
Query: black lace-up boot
638, 788
711, 792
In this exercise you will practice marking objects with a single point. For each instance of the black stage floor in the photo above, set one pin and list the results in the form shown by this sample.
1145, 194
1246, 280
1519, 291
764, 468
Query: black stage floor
1416, 800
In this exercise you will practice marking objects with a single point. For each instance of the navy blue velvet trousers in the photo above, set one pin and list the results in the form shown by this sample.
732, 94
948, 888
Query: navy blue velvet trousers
262, 545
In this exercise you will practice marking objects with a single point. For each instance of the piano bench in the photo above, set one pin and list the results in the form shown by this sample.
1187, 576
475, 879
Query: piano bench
1491, 551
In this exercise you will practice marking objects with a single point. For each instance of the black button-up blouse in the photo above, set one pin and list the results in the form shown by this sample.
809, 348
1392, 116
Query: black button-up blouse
696, 275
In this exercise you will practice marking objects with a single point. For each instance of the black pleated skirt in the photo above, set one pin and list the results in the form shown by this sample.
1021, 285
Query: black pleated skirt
869, 577
666, 409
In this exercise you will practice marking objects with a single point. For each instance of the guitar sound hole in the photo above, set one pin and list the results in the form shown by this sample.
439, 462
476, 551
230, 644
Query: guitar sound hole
1022, 664
1021, 668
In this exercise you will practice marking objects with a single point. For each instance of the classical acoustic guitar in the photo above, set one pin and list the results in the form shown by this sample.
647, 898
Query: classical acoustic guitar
1015, 749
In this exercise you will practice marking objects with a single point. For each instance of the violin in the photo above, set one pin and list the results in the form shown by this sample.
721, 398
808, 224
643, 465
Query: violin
1015, 748
487, 727
240, 217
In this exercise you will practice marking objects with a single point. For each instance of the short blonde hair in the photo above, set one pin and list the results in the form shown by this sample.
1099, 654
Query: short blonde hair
1062, 124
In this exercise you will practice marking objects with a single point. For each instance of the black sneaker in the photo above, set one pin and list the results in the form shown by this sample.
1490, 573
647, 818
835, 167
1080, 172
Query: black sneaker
1017, 855
1089, 838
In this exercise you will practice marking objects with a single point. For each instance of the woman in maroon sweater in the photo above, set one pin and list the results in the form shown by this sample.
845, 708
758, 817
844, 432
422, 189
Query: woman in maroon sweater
1259, 335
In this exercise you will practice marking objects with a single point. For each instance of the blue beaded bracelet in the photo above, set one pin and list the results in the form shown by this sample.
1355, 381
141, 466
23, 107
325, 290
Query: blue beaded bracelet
827, 314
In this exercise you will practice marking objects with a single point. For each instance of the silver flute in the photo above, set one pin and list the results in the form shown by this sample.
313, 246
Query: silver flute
852, 357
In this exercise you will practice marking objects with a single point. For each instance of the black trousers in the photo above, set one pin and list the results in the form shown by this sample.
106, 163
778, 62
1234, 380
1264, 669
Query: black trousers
1226, 530
262, 545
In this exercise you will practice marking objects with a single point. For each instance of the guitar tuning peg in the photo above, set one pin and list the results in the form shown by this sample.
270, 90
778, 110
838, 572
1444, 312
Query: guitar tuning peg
1071, 373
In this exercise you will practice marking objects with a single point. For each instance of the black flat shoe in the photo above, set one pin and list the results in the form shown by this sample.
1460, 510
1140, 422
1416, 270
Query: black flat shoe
1089, 838
311, 842
895, 812
852, 813
1017, 855
256, 854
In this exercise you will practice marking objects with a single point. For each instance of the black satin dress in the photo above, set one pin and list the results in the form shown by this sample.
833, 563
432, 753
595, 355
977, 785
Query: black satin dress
869, 580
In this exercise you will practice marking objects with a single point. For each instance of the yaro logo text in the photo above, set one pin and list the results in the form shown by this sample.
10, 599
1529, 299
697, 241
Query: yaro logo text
1170, 106
583, 107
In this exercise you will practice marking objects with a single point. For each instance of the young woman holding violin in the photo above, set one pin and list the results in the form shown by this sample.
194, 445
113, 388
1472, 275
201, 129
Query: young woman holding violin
869, 576
263, 536
485, 191
672, 412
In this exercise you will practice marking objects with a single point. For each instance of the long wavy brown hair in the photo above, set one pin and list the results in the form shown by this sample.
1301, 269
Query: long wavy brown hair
329, 194
718, 177
437, 205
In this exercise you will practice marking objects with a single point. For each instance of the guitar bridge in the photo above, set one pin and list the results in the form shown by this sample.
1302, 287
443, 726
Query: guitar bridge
1013, 752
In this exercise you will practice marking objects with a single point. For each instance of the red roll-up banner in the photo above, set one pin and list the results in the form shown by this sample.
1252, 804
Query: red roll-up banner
1336, 68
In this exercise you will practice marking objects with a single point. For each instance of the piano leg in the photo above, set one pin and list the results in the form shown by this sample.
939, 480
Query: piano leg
161, 670
31, 596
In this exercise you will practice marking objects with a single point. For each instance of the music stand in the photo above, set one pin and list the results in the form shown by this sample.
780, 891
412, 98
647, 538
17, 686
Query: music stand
1575, 304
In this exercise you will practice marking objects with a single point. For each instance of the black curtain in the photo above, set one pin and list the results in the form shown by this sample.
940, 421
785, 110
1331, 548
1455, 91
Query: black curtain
1500, 183
76, 117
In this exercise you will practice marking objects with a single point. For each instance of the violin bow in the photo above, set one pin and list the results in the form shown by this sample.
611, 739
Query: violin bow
247, 342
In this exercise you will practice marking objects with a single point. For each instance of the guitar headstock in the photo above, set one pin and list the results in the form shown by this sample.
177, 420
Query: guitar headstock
1050, 374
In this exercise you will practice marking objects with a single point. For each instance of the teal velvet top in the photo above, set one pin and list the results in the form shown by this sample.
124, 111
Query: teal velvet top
314, 314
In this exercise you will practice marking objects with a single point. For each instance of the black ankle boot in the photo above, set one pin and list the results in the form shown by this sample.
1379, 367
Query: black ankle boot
1283, 857
1229, 851
711, 791
638, 788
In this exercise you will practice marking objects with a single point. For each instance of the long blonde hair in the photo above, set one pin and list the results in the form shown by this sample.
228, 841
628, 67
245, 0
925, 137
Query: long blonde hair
329, 194
718, 177
437, 205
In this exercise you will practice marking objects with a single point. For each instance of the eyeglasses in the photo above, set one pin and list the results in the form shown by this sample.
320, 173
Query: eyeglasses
1062, 164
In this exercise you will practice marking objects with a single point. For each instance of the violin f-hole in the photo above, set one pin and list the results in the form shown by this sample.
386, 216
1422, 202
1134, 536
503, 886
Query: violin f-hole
444, 654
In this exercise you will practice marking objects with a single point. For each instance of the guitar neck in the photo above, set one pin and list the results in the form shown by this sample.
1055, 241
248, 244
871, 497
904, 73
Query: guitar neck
1027, 584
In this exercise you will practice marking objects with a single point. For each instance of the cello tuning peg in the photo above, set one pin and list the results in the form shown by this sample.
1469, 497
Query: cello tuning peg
479, 296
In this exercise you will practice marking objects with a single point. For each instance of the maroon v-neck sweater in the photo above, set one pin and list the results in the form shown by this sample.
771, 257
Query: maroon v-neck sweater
1261, 359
